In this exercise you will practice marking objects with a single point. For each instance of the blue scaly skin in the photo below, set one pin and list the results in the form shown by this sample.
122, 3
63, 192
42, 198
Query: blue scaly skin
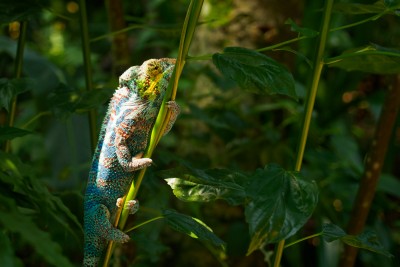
123, 139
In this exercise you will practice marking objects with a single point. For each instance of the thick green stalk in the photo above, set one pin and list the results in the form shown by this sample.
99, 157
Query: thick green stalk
318, 64
17, 74
188, 29
88, 68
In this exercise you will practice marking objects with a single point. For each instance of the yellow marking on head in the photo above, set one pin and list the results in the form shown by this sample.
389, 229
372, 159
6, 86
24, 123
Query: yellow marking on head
151, 89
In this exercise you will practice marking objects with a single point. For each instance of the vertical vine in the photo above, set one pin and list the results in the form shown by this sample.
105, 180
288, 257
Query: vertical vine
318, 64
187, 33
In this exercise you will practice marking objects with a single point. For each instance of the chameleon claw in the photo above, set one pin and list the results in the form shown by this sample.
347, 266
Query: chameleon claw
132, 206
173, 106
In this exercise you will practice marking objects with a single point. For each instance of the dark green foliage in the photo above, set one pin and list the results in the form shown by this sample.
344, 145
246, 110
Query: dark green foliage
371, 59
241, 110
255, 72
367, 240
280, 203
191, 226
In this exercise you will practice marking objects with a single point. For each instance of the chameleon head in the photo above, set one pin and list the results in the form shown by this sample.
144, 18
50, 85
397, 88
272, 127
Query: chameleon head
149, 80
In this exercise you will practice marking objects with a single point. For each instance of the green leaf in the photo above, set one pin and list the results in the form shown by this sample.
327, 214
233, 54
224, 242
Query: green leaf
15, 222
331, 232
193, 227
366, 240
191, 184
9, 133
255, 72
371, 59
303, 31
389, 184
10, 89
280, 204
32, 192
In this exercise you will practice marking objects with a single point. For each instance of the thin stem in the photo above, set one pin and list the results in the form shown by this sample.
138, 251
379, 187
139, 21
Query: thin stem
374, 17
302, 239
312, 92
19, 58
279, 252
88, 68
36, 117
309, 105
271, 47
144, 223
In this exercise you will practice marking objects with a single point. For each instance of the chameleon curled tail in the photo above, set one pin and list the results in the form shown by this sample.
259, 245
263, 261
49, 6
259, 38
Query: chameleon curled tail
123, 139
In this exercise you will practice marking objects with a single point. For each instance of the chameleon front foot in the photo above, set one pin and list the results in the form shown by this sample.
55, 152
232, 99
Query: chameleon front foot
137, 164
132, 206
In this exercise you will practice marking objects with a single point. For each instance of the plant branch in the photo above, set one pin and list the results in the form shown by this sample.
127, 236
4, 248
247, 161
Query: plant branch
373, 166
188, 29
302, 239
144, 223
309, 105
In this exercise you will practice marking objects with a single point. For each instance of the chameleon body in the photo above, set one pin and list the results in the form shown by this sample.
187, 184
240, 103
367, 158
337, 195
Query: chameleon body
123, 139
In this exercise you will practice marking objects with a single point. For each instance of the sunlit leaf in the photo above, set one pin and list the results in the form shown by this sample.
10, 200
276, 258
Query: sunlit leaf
367, 240
280, 204
191, 184
191, 226
371, 59
255, 72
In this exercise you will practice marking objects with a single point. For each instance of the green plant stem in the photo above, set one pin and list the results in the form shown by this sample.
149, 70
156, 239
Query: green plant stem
19, 58
271, 47
302, 239
36, 117
374, 17
144, 223
88, 68
188, 29
309, 105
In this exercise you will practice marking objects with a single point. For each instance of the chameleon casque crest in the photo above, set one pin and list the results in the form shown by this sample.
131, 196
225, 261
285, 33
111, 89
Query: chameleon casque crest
123, 139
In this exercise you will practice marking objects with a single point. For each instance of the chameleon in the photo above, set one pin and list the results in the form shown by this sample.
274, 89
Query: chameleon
123, 138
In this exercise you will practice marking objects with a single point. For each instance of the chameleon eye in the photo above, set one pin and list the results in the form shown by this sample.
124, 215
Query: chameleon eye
154, 69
